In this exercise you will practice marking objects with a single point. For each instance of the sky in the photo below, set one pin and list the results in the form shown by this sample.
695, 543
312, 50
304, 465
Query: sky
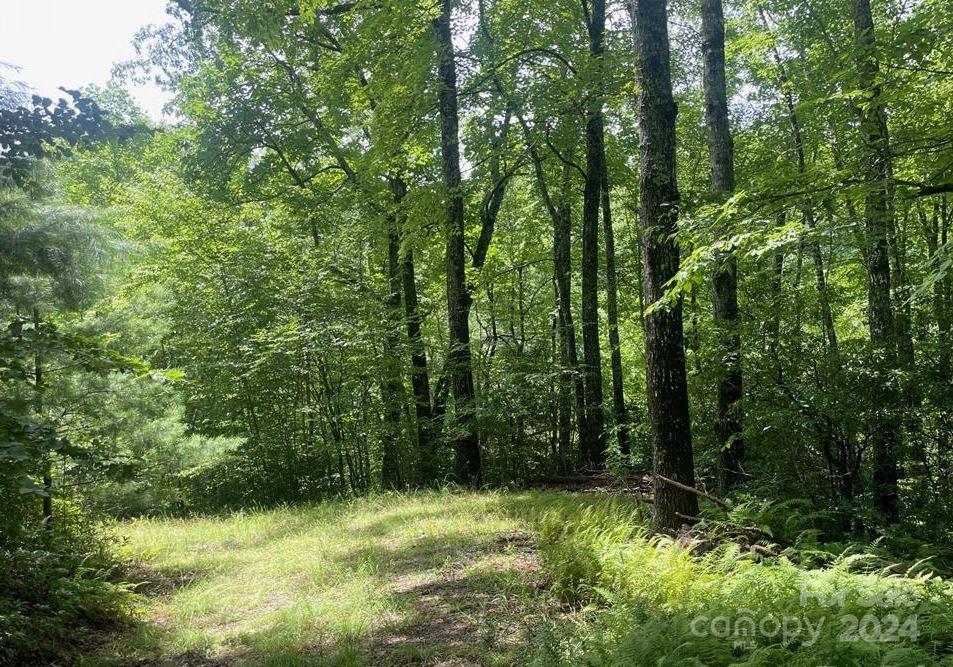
72, 43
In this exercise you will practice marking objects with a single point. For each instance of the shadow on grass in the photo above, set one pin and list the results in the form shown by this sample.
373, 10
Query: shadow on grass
457, 596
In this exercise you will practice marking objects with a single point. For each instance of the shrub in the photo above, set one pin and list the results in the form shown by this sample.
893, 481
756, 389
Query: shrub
57, 590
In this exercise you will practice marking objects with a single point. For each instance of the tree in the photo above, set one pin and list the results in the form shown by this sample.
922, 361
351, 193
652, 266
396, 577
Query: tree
728, 411
672, 457
876, 170
593, 437
468, 464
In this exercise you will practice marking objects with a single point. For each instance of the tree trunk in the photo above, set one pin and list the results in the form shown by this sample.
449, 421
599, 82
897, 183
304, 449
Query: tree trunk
942, 293
728, 411
773, 327
664, 351
875, 170
419, 373
593, 438
466, 439
561, 214
562, 258
612, 316
813, 244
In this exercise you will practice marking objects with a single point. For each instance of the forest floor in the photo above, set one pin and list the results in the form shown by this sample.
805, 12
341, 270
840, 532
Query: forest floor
433, 579
455, 579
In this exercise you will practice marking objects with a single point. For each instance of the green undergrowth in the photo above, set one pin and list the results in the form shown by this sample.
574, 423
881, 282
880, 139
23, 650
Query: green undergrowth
647, 600
59, 588
498, 578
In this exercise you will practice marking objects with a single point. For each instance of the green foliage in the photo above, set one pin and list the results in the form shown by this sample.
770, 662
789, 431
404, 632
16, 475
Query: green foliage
651, 601
216, 315
58, 591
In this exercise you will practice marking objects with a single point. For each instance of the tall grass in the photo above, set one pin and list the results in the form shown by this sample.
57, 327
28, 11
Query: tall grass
326, 584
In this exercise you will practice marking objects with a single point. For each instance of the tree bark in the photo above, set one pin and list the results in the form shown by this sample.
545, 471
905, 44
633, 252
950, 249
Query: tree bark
561, 214
419, 374
665, 354
612, 317
875, 172
562, 256
773, 328
593, 438
466, 440
807, 213
942, 292
728, 410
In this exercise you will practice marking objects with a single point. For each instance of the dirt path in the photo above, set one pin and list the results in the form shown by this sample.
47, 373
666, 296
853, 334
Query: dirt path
479, 604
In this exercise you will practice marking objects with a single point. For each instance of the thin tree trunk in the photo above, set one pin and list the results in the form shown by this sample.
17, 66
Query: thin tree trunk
807, 212
773, 328
665, 356
561, 214
820, 282
875, 171
419, 373
728, 410
562, 255
467, 441
612, 316
942, 293
563, 393
593, 438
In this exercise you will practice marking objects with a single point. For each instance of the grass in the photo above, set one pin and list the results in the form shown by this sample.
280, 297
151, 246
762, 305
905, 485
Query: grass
467, 578
397, 579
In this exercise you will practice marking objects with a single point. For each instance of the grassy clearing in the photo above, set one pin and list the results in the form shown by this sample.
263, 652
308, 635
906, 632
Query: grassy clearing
504, 579
433, 578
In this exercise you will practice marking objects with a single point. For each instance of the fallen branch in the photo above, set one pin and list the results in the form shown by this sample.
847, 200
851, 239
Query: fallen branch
691, 489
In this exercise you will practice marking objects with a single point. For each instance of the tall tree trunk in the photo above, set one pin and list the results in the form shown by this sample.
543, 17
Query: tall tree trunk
562, 261
563, 454
419, 373
942, 291
467, 441
820, 282
612, 316
561, 214
773, 328
593, 438
562, 256
665, 355
875, 172
728, 410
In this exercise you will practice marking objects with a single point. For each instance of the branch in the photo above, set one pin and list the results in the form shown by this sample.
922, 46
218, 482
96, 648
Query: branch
927, 189
691, 489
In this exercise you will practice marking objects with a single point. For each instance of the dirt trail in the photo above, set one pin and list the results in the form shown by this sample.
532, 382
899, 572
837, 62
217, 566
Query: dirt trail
474, 609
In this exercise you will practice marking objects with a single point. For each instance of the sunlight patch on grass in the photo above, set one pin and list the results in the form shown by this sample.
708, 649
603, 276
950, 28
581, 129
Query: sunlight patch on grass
338, 583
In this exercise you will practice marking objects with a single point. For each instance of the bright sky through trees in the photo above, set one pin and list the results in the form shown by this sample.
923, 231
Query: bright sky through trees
64, 43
